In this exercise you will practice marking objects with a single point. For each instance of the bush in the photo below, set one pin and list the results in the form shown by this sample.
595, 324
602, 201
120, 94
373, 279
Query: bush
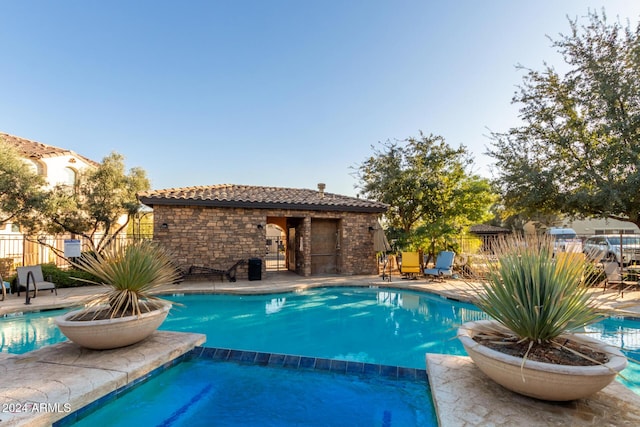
534, 294
67, 278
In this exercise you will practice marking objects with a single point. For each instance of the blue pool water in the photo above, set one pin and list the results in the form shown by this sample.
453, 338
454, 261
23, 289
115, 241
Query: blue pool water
363, 324
204, 393
22, 333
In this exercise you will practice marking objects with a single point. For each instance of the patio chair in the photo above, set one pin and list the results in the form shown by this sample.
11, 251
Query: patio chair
616, 277
410, 265
30, 279
570, 257
443, 267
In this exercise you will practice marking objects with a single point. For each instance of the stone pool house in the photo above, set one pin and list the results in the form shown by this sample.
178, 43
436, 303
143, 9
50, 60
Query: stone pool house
215, 226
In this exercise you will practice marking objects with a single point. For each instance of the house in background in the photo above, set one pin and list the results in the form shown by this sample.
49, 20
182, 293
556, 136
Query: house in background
215, 226
57, 166
489, 234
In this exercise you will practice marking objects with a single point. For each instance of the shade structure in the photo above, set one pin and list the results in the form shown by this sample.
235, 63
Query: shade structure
380, 242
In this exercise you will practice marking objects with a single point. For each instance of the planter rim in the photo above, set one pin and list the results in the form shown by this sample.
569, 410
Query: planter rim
617, 361
63, 319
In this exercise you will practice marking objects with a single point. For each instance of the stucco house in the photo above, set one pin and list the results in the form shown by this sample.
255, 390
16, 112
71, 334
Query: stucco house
58, 166
215, 226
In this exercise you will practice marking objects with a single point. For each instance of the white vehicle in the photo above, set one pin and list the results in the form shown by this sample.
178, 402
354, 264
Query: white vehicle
565, 239
609, 247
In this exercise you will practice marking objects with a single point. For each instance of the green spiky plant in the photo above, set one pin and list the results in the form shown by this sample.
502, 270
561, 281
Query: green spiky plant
131, 273
534, 294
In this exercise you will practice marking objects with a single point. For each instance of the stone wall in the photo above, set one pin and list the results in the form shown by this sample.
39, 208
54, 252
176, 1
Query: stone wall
218, 237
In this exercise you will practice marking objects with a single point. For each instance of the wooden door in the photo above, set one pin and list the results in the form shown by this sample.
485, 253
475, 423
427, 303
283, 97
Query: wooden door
324, 246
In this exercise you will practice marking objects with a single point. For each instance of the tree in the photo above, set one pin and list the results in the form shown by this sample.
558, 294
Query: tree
20, 186
96, 206
578, 149
430, 194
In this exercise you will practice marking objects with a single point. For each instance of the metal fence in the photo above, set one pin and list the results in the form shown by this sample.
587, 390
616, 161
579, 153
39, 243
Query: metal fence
18, 250
275, 257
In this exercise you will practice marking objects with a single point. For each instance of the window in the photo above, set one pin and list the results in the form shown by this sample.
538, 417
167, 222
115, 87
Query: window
69, 177
37, 167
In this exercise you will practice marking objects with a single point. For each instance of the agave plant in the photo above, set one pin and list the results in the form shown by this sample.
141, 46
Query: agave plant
131, 273
536, 295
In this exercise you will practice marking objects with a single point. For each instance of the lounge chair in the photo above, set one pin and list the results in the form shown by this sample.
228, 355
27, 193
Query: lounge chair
410, 265
30, 279
200, 271
570, 257
443, 267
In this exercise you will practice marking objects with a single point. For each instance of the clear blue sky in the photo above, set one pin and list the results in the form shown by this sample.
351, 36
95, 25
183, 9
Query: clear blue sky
269, 92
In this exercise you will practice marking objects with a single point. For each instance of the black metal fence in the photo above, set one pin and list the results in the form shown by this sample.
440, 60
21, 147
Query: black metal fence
18, 249
275, 257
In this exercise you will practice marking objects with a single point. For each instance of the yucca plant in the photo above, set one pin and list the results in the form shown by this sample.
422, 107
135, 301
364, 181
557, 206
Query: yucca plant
538, 301
131, 273
534, 294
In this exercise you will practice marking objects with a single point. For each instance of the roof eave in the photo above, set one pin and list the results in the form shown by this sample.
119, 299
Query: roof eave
150, 201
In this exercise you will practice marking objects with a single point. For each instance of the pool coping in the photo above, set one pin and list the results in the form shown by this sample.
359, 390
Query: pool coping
464, 396
610, 300
46, 385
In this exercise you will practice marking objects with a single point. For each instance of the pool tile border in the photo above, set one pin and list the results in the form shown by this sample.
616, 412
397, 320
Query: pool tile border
345, 367
96, 404
286, 361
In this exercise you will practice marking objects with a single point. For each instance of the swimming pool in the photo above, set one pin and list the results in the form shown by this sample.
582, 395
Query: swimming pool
22, 333
203, 392
384, 326
361, 324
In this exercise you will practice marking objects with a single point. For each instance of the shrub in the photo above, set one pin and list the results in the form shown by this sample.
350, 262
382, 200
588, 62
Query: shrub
68, 278
534, 294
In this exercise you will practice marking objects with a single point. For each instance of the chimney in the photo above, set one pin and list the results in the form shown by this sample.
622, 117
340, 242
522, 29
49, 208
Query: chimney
321, 187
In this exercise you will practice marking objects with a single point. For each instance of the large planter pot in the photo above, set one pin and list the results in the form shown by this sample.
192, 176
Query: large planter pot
541, 380
111, 333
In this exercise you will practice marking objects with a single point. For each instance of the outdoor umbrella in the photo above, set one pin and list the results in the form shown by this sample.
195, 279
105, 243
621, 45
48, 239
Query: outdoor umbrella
381, 244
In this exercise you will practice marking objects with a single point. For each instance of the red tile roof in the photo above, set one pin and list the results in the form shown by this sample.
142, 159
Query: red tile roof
248, 196
37, 150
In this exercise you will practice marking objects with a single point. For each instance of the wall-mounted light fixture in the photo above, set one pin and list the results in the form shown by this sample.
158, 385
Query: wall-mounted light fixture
260, 226
164, 226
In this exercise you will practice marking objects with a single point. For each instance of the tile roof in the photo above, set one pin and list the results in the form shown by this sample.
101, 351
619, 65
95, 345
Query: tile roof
37, 150
248, 196
488, 229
